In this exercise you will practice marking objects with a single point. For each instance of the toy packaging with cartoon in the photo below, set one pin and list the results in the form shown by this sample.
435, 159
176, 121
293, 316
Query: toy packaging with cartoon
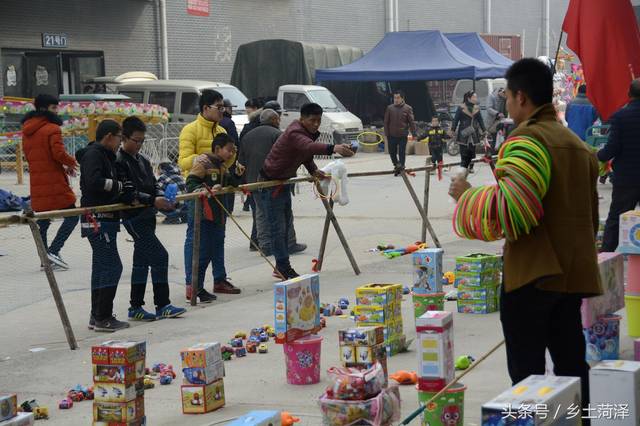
258, 418
118, 375
200, 399
362, 347
202, 363
8, 406
629, 232
435, 350
20, 419
446, 410
381, 305
297, 308
478, 283
383, 409
611, 267
427, 273
553, 394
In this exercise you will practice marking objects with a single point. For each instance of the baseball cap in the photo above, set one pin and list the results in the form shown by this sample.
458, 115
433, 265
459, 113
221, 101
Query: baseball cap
228, 103
274, 105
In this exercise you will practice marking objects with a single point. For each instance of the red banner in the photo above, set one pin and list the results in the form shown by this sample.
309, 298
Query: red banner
198, 7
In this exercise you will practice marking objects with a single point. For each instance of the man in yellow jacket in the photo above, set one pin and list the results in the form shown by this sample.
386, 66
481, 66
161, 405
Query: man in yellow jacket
195, 139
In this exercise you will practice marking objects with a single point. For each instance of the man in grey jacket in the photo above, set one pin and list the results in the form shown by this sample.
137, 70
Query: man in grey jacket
256, 146
496, 110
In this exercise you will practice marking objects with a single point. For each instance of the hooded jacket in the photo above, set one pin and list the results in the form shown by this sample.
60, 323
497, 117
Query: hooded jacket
195, 139
46, 155
296, 146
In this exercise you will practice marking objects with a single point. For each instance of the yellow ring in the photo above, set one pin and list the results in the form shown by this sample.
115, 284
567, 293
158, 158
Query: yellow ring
378, 142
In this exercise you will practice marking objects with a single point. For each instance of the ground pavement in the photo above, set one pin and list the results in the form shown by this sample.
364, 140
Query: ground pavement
380, 211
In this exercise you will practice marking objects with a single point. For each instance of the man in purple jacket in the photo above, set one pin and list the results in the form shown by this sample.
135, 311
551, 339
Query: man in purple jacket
296, 146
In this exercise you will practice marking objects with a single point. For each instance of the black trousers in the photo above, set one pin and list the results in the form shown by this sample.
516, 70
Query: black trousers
397, 148
106, 269
436, 154
64, 232
534, 320
623, 199
467, 153
148, 254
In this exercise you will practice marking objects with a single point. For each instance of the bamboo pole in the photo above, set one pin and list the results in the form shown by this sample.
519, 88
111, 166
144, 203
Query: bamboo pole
53, 284
416, 200
336, 226
323, 240
19, 163
425, 200
195, 260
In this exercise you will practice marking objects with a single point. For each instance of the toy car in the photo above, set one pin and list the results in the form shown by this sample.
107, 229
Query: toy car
41, 413
264, 337
263, 349
338, 311
76, 396
65, 404
166, 379
252, 347
236, 343
343, 303
323, 322
148, 384
270, 331
227, 352
240, 352
168, 371
254, 339
240, 335
255, 331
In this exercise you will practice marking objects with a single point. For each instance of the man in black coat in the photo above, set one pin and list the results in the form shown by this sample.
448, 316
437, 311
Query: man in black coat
623, 148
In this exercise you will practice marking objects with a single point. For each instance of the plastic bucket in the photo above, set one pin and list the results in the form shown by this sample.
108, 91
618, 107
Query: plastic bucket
302, 358
446, 409
633, 273
603, 339
427, 302
632, 304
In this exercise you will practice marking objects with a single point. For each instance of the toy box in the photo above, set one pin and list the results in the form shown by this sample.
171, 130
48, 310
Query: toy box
611, 267
395, 345
347, 354
427, 302
118, 412
127, 373
478, 306
198, 399
297, 308
552, 396
615, 382
118, 352
378, 294
202, 363
374, 315
258, 418
479, 279
118, 392
20, 419
139, 422
356, 336
427, 275
480, 294
478, 262
629, 240
204, 375
369, 354
383, 409
8, 406
435, 347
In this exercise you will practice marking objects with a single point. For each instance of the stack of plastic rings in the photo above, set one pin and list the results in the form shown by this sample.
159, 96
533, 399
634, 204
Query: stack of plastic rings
513, 206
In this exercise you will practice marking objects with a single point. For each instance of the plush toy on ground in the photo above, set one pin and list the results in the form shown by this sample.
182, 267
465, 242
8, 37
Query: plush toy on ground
405, 377
287, 419
463, 362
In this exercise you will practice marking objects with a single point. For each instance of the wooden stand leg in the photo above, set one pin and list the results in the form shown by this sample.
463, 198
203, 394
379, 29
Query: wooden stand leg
195, 260
336, 226
53, 284
425, 219
323, 241
425, 200
19, 163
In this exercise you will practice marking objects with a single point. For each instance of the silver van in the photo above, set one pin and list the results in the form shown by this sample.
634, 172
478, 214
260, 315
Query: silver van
180, 97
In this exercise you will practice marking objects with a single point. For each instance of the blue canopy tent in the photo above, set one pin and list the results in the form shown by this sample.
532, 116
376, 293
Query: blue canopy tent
413, 55
473, 45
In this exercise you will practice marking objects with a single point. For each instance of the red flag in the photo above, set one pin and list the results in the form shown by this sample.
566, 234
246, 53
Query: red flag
605, 36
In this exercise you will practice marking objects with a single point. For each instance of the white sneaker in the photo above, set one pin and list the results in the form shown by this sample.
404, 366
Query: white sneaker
54, 267
57, 260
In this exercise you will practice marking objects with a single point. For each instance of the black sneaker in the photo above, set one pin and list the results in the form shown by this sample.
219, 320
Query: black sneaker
205, 297
252, 248
297, 248
288, 273
92, 323
110, 325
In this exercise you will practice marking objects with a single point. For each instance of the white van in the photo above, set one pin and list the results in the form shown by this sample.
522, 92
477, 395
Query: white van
336, 120
483, 89
180, 97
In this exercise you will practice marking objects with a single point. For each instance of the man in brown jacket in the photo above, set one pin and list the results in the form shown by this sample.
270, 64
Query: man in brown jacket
398, 119
550, 270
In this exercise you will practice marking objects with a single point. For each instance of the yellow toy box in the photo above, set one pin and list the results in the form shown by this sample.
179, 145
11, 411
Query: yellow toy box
118, 392
199, 399
378, 294
118, 412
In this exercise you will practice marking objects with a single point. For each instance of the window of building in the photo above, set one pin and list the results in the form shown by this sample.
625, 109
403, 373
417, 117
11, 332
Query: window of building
293, 101
165, 99
189, 104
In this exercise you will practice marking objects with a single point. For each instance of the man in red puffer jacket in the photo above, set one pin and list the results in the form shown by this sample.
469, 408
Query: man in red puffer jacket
49, 165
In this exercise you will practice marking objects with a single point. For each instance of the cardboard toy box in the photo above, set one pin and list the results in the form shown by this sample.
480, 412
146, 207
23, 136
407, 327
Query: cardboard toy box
127, 373
199, 399
118, 412
20, 419
258, 418
356, 336
478, 293
297, 308
629, 237
202, 363
617, 383
478, 262
375, 315
378, 294
118, 352
550, 395
478, 306
611, 267
8, 406
395, 345
139, 422
427, 273
478, 280
118, 392
435, 346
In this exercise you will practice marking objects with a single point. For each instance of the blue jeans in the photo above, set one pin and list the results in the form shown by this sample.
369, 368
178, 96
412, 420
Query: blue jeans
276, 205
212, 237
65, 230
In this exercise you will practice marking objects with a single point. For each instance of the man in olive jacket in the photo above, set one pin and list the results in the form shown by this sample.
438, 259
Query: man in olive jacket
548, 271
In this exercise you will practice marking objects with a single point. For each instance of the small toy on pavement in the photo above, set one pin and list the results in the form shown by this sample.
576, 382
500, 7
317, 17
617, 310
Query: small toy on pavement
41, 413
263, 348
165, 379
65, 404
323, 322
240, 352
264, 337
406, 290
252, 347
148, 383
343, 303
269, 330
236, 343
28, 406
227, 352
241, 335
287, 419
405, 377
450, 277
463, 362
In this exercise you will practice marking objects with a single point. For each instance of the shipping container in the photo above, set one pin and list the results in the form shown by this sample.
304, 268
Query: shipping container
509, 45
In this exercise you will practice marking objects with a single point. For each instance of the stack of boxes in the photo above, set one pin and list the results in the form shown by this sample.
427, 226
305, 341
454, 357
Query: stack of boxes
118, 378
427, 291
297, 308
478, 283
629, 244
381, 305
203, 386
9, 415
435, 350
361, 347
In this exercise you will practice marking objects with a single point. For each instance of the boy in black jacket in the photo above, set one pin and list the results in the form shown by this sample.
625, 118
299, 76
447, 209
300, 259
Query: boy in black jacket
436, 136
148, 251
100, 185
209, 170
